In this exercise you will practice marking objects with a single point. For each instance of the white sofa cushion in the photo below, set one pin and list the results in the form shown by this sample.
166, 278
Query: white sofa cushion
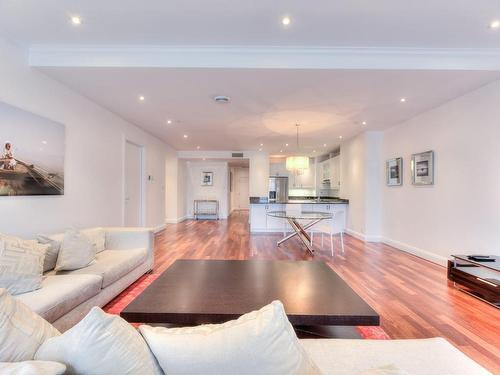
97, 237
76, 251
60, 294
112, 265
260, 342
52, 252
21, 264
32, 368
424, 356
100, 344
21, 330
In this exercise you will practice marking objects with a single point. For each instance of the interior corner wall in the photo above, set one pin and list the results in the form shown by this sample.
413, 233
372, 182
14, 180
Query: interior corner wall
361, 175
460, 212
94, 156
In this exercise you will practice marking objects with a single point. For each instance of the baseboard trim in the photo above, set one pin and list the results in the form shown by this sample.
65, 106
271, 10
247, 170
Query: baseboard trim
159, 228
424, 254
362, 236
176, 221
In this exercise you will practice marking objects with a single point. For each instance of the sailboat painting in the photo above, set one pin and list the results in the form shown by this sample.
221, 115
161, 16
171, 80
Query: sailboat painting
31, 153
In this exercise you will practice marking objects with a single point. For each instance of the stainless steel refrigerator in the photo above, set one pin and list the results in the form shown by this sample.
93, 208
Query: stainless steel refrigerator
278, 189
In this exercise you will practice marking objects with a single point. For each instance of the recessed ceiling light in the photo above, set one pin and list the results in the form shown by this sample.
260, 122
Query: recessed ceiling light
314, 150
281, 150
169, 122
44, 142
262, 144
324, 145
185, 135
222, 99
204, 159
76, 20
286, 21
197, 147
286, 144
340, 137
495, 24
402, 100
141, 98
363, 123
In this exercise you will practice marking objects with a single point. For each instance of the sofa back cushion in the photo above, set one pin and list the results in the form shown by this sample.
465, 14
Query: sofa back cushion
97, 237
32, 368
76, 252
21, 330
21, 264
260, 342
52, 251
101, 344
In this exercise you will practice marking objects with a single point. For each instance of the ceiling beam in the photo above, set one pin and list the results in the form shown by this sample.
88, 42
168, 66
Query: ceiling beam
265, 57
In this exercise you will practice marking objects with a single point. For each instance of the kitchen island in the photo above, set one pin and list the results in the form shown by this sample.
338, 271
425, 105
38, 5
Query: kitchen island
260, 222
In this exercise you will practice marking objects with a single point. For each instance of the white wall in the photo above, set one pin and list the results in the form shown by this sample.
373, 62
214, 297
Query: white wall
360, 176
259, 174
94, 157
461, 212
219, 190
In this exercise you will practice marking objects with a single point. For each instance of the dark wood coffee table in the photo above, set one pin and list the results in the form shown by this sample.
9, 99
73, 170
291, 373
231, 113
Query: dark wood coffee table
214, 291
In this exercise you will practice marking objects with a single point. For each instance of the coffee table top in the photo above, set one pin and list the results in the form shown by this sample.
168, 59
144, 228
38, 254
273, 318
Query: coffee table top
215, 291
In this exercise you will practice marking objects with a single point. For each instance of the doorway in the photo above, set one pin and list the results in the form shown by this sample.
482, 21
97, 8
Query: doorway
134, 185
239, 188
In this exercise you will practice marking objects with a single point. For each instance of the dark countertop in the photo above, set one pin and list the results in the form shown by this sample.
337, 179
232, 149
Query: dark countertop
265, 200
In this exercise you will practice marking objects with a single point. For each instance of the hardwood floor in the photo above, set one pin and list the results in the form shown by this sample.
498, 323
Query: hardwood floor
412, 296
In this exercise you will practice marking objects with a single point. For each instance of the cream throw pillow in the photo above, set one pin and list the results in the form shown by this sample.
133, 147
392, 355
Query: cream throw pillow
100, 344
52, 252
260, 342
21, 330
21, 264
32, 368
76, 252
97, 237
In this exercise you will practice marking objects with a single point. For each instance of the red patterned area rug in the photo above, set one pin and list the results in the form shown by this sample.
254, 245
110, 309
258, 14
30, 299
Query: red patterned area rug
129, 294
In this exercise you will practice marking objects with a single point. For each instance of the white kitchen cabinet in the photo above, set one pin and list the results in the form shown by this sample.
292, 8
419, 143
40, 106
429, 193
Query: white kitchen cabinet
275, 223
278, 169
339, 212
258, 221
261, 222
305, 180
335, 172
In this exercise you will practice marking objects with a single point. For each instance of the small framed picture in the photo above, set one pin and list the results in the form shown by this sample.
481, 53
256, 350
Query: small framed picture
394, 172
207, 178
422, 168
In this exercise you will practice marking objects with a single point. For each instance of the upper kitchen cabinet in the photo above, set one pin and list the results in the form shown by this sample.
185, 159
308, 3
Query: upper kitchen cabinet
328, 172
335, 172
278, 169
305, 180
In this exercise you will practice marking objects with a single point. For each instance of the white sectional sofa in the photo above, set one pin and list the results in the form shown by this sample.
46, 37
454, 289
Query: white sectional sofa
67, 296
434, 356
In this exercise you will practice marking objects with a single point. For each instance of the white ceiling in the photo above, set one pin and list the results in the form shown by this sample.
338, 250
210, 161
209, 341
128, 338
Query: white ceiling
126, 48
367, 23
266, 104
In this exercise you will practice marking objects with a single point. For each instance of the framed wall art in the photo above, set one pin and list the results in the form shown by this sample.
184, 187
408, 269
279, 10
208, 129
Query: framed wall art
31, 153
422, 168
394, 172
207, 178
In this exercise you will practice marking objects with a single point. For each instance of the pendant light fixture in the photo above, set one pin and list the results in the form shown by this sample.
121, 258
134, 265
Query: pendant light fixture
297, 163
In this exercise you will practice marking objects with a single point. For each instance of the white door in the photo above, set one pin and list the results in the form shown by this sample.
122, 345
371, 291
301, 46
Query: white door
133, 185
243, 193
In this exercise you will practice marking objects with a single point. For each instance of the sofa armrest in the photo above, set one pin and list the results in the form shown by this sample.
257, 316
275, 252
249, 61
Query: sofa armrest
129, 238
